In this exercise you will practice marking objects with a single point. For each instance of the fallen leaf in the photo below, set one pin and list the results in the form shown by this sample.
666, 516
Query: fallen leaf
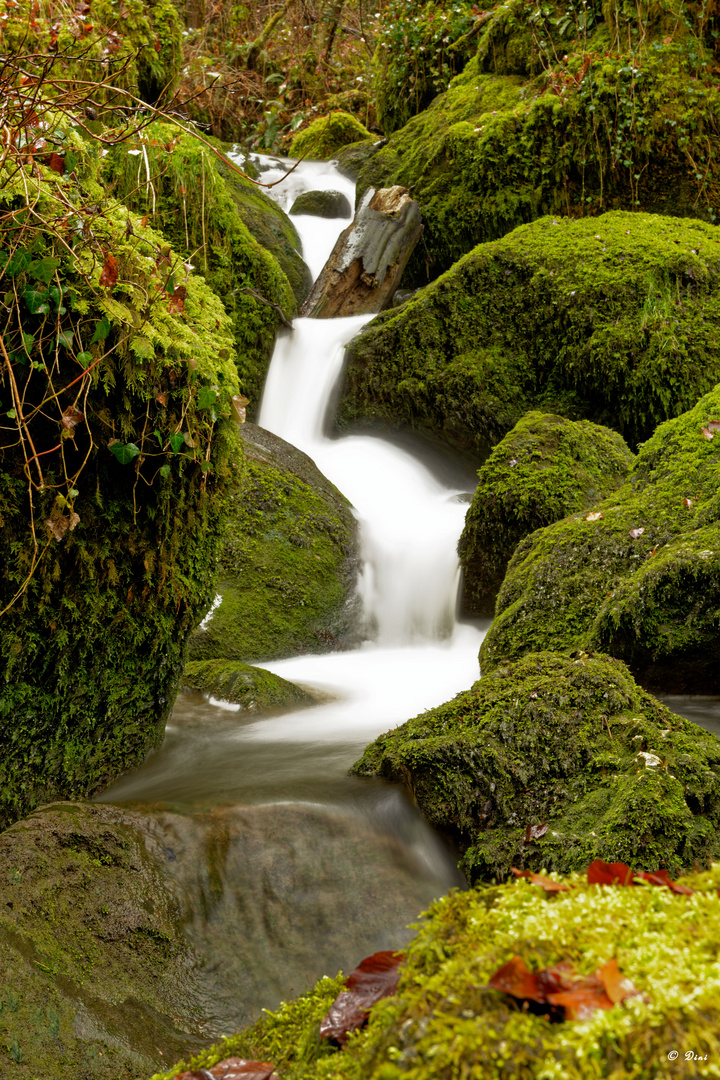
707, 433
71, 418
534, 832
688, 503
177, 300
713, 425
637, 533
617, 986
144, 221
578, 996
537, 879
374, 978
515, 978
602, 873
595, 516
239, 405
661, 877
161, 398
58, 523
109, 272
583, 1000
57, 164
233, 1068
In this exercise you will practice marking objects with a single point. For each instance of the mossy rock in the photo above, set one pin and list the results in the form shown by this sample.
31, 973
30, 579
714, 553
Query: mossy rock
446, 1022
650, 597
235, 235
289, 560
613, 320
326, 135
544, 469
253, 688
559, 741
521, 134
323, 204
126, 498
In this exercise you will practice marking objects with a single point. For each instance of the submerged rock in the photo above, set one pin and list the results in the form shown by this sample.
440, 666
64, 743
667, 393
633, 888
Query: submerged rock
255, 689
571, 748
324, 204
366, 264
642, 581
578, 317
544, 469
289, 561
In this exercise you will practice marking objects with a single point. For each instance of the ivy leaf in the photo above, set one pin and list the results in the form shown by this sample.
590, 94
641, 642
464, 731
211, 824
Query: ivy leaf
19, 262
84, 358
124, 452
65, 338
206, 397
165, 471
101, 330
37, 302
43, 269
177, 441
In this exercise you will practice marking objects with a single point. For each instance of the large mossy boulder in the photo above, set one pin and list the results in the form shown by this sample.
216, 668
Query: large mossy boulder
566, 119
544, 469
643, 580
253, 688
571, 743
446, 1021
244, 244
328, 134
613, 320
113, 465
289, 560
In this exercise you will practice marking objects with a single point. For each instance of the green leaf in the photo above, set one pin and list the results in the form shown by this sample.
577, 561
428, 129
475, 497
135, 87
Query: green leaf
43, 269
84, 358
177, 441
206, 397
19, 262
65, 338
28, 341
70, 161
165, 471
37, 302
159, 437
11, 413
73, 493
125, 452
101, 331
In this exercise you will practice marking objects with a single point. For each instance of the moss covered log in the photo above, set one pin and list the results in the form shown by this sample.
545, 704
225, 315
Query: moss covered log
642, 581
614, 320
446, 1022
118, 374
289, 560
544, 469
571, 743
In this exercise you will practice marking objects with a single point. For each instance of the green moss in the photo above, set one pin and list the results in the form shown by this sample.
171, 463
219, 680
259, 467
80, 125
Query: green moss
288, 563
651, 600
214, 221
326, 135
613, 319
544, 469
324, 204
255, 689
445, 1023
554, 740
95, 623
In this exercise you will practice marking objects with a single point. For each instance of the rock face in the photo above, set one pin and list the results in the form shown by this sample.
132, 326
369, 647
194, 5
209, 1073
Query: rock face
131, 939
577, 317
324, 204
253, 688
568, 743
368, 260
544, 469
642, 581
289, 561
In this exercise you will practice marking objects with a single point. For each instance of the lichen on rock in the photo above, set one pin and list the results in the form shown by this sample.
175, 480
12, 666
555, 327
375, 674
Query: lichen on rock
544, 469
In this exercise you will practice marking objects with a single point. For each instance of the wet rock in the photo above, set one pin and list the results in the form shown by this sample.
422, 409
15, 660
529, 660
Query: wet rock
571, 743
366, 264
325, 136
253, 688
544, 469
324, 204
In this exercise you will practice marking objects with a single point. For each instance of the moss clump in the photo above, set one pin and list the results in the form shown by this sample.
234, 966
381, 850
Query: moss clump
650, 599
446, 1023
96, 976
255, 689
613, 319
110, 559
522, 133
289, 560
559, 741
211, 218
326, 135
544, 469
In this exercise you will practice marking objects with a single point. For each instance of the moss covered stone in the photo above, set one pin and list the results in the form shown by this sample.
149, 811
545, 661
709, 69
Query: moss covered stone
324, 204
326, 135
445, 1022
544, 469
614, 320
289, 560
234, 234
643, 581
538, 124
253, 688
109, 558
573, 743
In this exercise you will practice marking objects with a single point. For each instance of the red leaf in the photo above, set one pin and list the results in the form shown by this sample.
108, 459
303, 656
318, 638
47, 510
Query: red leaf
109, 272
233, 1068
583, 1000
373, 979
55, 162
713, 425
617, 986
515, 978
661, 877
544, 883
602, 873
637, 533
177, 300
707, 434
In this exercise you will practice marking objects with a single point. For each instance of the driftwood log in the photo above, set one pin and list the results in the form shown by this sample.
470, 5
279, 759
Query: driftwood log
366, 264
